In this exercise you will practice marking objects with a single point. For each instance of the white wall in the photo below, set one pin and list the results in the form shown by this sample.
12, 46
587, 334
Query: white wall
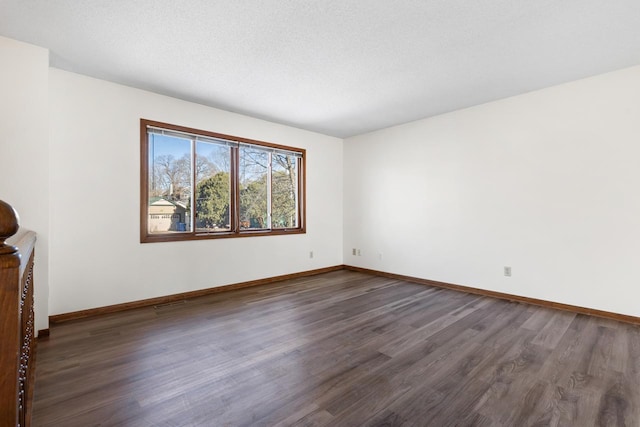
96, 257
545, 182
24, 151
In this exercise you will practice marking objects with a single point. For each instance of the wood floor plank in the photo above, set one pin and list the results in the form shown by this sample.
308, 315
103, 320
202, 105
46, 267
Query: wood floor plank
339, 349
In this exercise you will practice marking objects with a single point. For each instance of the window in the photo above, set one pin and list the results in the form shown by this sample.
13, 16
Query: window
202, 185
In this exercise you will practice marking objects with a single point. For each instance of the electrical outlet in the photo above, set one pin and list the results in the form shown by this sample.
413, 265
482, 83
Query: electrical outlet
311, 254
353, 251
507, 271
380, 256
359, 252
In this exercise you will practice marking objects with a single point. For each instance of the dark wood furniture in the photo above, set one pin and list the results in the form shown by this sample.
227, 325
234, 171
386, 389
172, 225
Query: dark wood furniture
17, 320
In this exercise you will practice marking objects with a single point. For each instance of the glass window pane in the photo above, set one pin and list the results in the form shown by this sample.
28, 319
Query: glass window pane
213, 189
253, 188
199, 184
169, 184
284, 191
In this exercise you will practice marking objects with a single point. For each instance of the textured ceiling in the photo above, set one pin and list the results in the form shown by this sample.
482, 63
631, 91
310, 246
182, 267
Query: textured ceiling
341, 68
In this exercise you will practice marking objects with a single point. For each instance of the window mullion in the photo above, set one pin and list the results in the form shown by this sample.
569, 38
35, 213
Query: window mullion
192, 180
269, 190
301, 202
296, 190
235, 190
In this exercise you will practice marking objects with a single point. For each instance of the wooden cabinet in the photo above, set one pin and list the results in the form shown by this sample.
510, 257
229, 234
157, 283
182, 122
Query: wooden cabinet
17, 328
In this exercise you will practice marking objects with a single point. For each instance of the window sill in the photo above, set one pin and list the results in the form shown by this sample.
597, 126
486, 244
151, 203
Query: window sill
175, 237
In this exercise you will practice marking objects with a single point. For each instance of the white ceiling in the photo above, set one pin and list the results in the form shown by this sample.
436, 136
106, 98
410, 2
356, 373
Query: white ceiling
338, 67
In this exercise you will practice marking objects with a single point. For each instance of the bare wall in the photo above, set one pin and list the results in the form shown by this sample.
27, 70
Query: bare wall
546, 183
543, 182
96, 257
24, 151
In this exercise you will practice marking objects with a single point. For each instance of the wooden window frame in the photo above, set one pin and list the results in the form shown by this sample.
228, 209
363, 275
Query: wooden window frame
236, 231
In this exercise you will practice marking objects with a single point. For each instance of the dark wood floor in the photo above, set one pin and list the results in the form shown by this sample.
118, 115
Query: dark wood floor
340, 349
